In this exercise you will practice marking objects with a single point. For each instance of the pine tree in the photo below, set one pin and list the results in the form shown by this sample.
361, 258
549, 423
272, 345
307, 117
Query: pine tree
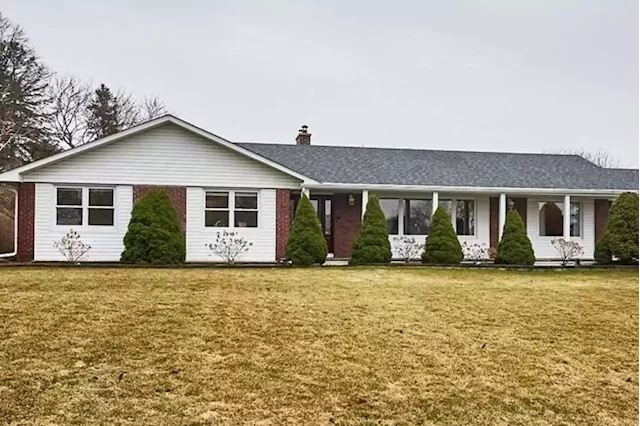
372, 244
103, 113
515, 245
620, 237
306, 244
23, 100
442, 245
154, 234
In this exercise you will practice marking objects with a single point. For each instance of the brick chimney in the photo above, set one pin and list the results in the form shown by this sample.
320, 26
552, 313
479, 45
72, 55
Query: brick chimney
304, 137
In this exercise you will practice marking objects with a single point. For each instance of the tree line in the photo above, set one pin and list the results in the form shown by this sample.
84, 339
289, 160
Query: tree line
42, 112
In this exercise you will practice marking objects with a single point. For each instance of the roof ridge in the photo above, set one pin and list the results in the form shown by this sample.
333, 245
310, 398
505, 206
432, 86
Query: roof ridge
414, 149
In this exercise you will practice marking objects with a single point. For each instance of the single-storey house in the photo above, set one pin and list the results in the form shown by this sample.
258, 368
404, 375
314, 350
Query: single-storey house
252, 188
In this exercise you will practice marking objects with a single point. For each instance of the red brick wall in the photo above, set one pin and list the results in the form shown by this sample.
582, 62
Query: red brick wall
346, 223
601, 216
177, 194
494, 231
26, 217
283, 197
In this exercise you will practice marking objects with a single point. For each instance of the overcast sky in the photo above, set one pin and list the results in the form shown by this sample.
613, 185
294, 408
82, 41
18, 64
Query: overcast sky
503, 75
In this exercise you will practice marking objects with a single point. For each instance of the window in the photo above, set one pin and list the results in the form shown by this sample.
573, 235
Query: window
71, 204
465, 219
417, 217
552, 217
225, 208
446, 205
246, 210
390, 208
216, 210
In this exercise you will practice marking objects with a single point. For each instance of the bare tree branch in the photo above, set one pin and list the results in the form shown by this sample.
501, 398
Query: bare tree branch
600, 157
69, 98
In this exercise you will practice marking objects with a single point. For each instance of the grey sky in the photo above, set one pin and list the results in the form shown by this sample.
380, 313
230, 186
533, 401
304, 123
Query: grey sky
504, 75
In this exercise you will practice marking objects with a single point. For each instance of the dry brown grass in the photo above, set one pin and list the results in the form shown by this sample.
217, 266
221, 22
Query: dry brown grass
318, 346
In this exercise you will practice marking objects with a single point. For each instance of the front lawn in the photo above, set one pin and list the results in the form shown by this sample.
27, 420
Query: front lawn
318, 346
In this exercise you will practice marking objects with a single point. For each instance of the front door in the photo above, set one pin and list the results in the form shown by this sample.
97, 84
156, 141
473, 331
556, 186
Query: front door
323, 205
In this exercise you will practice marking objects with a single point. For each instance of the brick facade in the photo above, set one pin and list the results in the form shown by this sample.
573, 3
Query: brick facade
283, 221
346, 223
26, 219
601, 216
177, 194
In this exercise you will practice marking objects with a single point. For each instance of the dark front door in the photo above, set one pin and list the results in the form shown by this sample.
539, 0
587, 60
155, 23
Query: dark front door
323, 205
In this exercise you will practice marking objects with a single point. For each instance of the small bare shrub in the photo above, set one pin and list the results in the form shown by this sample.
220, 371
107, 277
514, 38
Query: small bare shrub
72, 247
476, 252
406, 248
229, 245
569, 250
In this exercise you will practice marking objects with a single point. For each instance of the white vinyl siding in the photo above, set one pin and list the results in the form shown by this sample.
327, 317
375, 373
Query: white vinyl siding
542, 245
106, 241
263, 237
166, 155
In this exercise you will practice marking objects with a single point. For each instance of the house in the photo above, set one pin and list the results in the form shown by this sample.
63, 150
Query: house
253, 188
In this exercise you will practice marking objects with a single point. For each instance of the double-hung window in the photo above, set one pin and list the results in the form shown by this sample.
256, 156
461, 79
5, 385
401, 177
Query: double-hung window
77, 206
225, 209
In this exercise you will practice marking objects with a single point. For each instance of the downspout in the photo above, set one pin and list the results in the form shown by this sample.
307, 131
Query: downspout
15, 226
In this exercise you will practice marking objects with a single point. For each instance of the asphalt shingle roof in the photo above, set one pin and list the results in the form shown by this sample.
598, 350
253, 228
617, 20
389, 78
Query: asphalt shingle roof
357, 165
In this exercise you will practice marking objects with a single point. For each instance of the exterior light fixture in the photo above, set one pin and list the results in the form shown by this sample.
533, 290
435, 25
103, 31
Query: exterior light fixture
352, 200
511, 203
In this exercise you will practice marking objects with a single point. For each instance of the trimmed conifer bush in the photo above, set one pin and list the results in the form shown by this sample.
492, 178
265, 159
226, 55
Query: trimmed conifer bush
602, 253
154, 234
515, 246
442, 245
372, 244
306, 243
620, 237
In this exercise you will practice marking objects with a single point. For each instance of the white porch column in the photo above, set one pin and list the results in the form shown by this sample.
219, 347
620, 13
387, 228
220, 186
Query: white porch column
566, 218
365, 200
434, 203
502, 214
305, 191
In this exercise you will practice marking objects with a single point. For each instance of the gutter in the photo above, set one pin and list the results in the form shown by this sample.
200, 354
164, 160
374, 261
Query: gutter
15, 226
464, 189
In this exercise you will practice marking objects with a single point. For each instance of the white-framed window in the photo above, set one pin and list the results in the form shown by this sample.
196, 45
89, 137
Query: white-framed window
391, 208
231, 209
77, 206
551, 219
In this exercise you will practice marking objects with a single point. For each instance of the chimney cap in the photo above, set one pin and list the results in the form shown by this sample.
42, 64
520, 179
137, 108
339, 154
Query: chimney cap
304, 128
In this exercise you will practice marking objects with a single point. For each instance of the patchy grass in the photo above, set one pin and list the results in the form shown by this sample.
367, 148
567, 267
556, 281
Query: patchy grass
318, 346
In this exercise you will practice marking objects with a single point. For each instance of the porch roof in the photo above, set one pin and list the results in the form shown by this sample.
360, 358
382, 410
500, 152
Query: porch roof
433, 168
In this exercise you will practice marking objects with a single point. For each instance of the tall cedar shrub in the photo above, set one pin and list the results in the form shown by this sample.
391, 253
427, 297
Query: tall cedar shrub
602, 252
154, 234
442, 245
372, 244
620, 237
515, 246
306, 244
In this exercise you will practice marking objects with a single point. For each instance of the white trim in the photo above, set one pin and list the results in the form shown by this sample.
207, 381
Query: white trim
566, 218
15, 225
231, 207
15, 175
365, 200
84, 207
502, 215
465, 189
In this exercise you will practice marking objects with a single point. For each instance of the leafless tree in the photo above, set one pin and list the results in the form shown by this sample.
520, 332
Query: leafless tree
152, 108
69, 99
599, 157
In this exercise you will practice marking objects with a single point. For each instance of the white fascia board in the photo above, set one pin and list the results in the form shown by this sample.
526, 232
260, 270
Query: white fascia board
465, 189
15, 175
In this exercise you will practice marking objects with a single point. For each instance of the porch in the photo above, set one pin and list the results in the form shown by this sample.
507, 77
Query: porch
478, 217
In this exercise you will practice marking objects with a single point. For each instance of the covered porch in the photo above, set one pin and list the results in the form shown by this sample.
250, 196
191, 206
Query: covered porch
477, 215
